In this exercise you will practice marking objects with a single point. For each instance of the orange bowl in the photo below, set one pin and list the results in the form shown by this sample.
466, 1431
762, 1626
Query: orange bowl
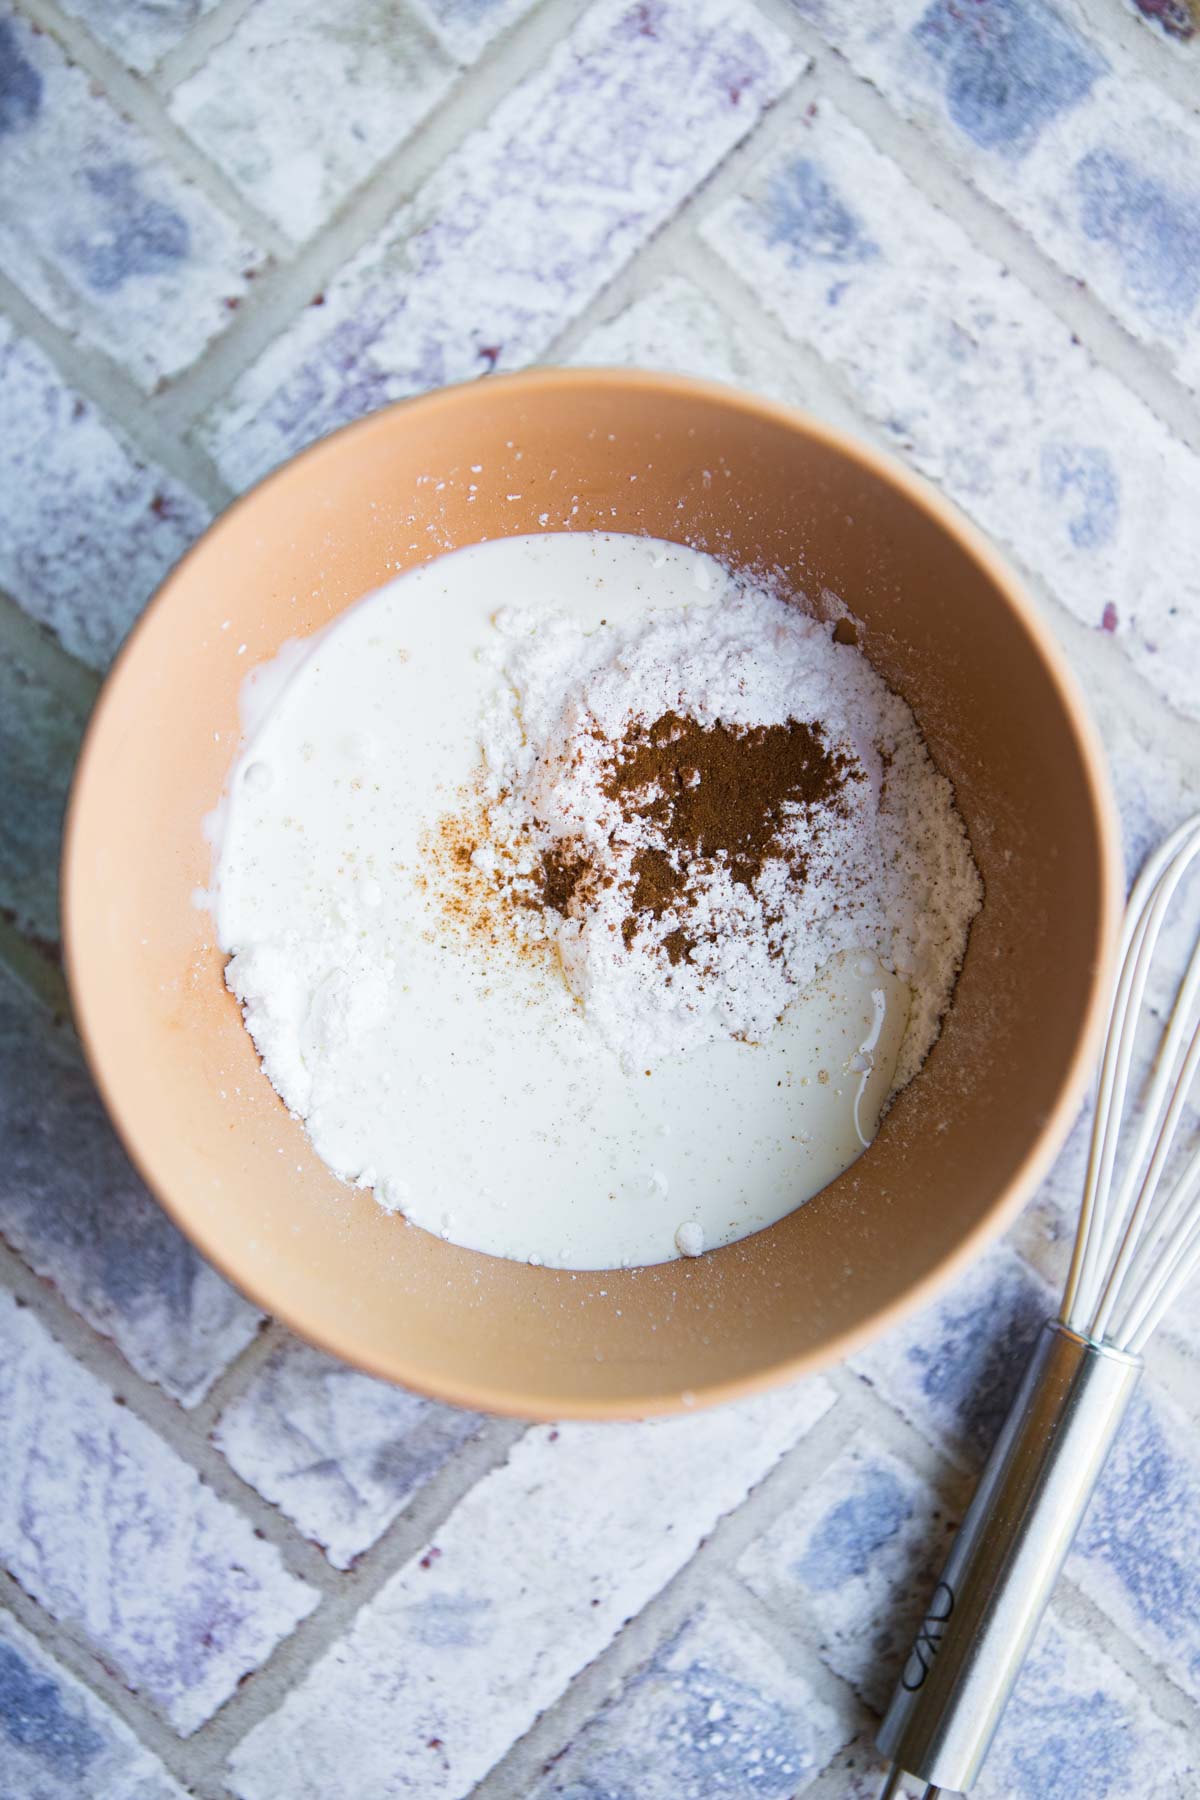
939, 614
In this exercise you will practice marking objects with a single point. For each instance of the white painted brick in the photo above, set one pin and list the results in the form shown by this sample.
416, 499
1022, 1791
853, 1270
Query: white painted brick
72, 1206
1078, 1725
1135, 1553
466, 27
1077, 1728
952, 1371
298, 104
1059, 128
531, 1576
857, 1554
341, 1454
104, 1525
716, 1711
41, 724
140, 32
58, 1741
119, 250
87, 530
677, 327
519, 228
981, 387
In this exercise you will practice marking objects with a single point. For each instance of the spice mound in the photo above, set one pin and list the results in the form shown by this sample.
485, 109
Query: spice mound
695, 810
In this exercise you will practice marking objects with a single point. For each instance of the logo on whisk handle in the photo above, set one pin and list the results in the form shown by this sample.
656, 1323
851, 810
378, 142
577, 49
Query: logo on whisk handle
925, 1648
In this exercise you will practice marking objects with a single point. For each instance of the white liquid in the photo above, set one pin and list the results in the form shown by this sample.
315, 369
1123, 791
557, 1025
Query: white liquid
467, 1087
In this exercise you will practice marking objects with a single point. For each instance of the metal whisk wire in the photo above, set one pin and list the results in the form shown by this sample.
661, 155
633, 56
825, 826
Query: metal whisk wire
1137, 1246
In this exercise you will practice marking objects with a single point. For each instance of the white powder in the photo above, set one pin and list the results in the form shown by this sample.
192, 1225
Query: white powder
889, 869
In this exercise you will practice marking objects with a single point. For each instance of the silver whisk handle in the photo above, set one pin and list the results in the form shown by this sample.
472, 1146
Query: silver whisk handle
1006, 1558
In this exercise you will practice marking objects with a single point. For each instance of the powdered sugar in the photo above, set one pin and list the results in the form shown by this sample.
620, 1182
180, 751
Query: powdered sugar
887, 866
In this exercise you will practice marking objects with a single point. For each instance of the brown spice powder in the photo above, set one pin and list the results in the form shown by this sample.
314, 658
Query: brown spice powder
716, 794
710, 795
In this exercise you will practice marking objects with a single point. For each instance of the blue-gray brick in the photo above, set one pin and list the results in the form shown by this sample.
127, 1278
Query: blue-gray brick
119, 249
1060, 127
75, 1210
978, 384
528, 1579
340, 1454
300, 102
522, 225
58, 1741
87, 529
716, 1711
109, 1530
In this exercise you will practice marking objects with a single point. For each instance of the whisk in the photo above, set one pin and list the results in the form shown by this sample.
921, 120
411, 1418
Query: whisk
1137, 1247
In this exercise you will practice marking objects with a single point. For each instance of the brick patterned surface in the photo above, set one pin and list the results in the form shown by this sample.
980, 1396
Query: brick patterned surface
120, 250
338, 1453
139, 32
1058, 128
819, 202
512, 1599
859, 1553
89, 528
1078, 1725
717, 1710
677, 327
1070, 469
109, 1529
591, 153
298, 114
73, 1207
1135, 1553
57, 1741
41, 724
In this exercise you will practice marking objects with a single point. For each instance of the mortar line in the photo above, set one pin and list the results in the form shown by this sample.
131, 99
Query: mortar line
281, 295
1166, 1696
796, 1630
237, 1376
1143, 367
37, 647
121, 403
1171, 1366
192, 50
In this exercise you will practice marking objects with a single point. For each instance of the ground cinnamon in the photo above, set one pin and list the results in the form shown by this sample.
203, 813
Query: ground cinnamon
715, 795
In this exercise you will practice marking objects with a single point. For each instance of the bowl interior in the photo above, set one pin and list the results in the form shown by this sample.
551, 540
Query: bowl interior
550, 451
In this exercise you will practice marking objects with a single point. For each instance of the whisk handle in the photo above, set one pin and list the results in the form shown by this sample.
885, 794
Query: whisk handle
1006, 1558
